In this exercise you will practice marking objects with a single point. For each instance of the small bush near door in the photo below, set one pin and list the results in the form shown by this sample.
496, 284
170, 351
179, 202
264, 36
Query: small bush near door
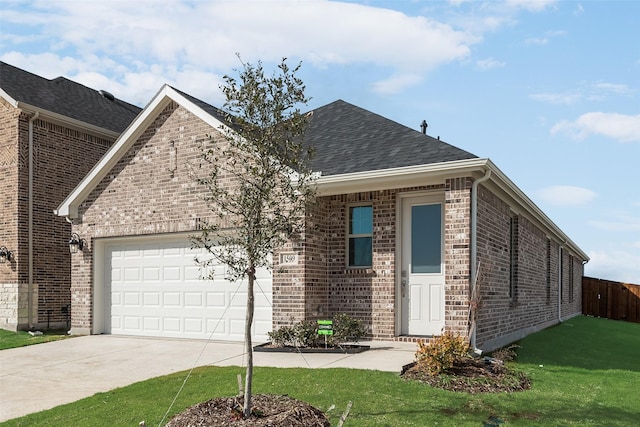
305, 333
441, 353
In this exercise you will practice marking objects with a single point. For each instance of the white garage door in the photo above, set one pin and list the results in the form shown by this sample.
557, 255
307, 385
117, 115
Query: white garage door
154, 288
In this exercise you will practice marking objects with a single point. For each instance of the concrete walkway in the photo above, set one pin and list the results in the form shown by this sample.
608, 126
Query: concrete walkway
42, 376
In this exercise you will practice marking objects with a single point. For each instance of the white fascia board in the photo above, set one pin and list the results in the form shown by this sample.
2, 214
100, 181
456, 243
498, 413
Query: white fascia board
531, 210
427, 174
4, 95
69, 207
386, 179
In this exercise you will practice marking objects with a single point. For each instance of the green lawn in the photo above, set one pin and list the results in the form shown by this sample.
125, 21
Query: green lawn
20, 339
585, 372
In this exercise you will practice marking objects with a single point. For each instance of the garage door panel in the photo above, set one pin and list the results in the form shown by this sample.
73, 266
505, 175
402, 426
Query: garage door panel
193, 273
171, 324
132, 299
193, 324
132, 274
130, 253
152, 324
171, 299
151, 299
151, 274
216, 326
151, 252
262, 327
131, 323
157, 289
216, 299
193, 299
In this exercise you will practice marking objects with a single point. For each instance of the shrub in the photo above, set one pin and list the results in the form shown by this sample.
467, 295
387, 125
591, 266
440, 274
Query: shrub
506, 354
442, 352
305, 333
346, 328
282, 337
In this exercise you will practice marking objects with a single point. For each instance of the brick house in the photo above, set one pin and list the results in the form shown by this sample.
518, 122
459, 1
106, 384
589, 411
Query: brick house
52, 132
405, 228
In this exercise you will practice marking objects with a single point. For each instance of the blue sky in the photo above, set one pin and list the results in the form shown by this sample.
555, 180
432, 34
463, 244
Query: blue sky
549, 90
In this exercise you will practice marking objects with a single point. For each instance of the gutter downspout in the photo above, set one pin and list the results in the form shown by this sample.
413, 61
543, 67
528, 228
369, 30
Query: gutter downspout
30, 222
474, 248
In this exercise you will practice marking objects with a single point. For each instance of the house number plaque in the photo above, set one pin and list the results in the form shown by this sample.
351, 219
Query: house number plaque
288, 258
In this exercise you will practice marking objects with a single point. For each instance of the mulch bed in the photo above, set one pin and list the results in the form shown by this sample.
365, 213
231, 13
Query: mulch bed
346, 349
268, 410
472, 376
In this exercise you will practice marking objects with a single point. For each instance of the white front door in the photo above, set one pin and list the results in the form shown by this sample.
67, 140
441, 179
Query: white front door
422, 287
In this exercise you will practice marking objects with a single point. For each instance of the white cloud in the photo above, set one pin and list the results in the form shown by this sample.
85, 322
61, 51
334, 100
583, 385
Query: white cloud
396, 83
489, 63
537, 40
555, 33
589, 91
530, 5
141, 37
618, 221
615, 264
617, 88
621, 127
566, 195
567, 98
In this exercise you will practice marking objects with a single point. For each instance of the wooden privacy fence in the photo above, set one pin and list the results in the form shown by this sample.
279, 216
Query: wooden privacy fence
612, 300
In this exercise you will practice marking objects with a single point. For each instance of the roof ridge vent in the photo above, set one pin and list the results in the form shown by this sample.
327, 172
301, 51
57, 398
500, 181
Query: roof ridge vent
106, 95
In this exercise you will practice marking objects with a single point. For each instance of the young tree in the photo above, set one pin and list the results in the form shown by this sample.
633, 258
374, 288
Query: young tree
257, 178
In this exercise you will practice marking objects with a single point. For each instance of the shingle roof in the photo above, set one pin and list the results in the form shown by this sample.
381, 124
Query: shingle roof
210, 109
67, 98
350, 139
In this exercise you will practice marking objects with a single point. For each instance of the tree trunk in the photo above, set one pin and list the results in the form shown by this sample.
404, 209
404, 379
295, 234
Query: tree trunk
247, 341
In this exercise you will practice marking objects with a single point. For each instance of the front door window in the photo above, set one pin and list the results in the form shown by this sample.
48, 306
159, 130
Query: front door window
426, 238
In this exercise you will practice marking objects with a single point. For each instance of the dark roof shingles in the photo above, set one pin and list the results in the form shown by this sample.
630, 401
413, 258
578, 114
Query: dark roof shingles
349, 139
67, 98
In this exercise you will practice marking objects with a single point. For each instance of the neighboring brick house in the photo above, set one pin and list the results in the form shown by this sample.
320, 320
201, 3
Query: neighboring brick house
402, 223
52, 132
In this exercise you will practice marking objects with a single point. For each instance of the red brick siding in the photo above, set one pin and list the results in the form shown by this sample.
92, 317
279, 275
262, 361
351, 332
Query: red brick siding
61, 158
152, 189
9, 180
457, 254
146, 193
534, 305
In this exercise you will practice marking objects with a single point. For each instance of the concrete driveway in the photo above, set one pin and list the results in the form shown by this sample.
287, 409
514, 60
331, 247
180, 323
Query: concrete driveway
42, 376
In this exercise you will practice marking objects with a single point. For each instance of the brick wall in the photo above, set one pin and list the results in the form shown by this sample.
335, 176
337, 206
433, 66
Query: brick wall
369, 294
509, 310
61, 158
457, 253
152, 189
9, 158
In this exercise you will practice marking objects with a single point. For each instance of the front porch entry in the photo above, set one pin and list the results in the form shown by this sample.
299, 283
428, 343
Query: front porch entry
422, 285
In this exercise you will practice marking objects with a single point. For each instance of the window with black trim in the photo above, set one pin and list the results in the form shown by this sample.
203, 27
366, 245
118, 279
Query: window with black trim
360, 236
570, 277
561, 261
548, 270
513, 257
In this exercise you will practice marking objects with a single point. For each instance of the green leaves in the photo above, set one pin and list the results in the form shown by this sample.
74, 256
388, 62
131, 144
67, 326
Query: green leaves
256, 207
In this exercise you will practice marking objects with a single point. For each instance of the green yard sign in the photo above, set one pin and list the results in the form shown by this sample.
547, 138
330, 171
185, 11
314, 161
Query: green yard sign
325, 327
